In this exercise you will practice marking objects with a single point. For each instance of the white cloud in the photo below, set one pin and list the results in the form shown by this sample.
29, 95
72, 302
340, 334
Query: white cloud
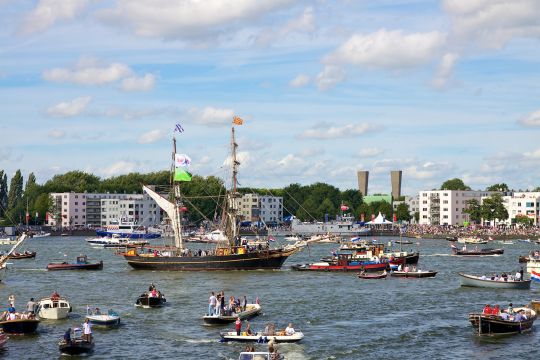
48, 12
56, 134
70, 108
151, 136
531, 120
391, 50
324, 131
305, 23
370, 152
300, 81
244, 157
89, 72
5, 153
444, 70
532, 154
186, 19
143, 83
211, 116
329, 77
119, 168
492, 23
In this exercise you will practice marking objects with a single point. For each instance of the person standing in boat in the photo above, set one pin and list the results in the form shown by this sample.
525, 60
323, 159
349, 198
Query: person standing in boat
31, 306
244, 303
289, 330
521, 273
238, 326
87, 331
222, 303
212, 301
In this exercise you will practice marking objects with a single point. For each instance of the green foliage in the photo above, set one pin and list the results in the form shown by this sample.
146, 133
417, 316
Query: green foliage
498, 187
15, 190
3, 193
77, 181
474, 209
454, 184
523, 220
403, 213
42, 205
417, 216
493, 208
132, 183
352, 198
204, 197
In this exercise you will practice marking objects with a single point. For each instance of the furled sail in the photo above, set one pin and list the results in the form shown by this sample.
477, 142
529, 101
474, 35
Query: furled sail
171, 210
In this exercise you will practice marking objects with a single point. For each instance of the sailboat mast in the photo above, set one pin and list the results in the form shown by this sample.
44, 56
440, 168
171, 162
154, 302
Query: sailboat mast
234, 187
176, 221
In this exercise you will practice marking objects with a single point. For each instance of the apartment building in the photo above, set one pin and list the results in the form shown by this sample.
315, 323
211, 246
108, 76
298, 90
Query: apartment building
269, 209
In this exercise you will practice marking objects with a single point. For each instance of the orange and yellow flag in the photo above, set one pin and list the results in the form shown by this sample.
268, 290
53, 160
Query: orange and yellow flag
237, 121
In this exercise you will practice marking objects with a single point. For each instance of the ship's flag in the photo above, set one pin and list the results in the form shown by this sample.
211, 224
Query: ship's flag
180, 174
181, 160
237, 121
535, 276
395, 218
178, 128
271, 238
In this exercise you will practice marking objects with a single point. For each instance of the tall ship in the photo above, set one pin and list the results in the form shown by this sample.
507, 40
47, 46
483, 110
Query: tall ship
343, 225
230, 254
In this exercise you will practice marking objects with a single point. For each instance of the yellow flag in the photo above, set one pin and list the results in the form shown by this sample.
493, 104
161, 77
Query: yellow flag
237, 121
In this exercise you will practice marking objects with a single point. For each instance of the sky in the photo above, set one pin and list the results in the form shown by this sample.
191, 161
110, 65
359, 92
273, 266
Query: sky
437, 89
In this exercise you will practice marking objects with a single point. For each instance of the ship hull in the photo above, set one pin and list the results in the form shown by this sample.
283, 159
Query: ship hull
258, 260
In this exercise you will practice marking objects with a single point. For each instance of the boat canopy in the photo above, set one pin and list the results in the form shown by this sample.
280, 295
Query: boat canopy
379, 220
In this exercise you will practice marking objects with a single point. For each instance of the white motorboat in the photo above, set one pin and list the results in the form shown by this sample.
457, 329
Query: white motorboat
111, 318
54, 309
471, 240
8, 241
259, 355
115, 241
41, 235
292, 238
260, 337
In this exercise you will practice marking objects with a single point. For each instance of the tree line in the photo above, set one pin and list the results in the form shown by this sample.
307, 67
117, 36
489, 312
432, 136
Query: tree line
202, 196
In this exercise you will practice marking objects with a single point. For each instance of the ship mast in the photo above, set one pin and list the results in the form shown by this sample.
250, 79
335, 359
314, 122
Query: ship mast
176, 221
233, 195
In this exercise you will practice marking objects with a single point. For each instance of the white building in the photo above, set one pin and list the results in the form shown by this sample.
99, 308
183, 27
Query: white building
521, 203
412, 202
92, 209
269, 209
445, 207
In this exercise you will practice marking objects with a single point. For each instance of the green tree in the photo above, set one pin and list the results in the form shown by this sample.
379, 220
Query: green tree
3, 193
454, 184
523, 220
403, 213
293, 196
77, 181
498, 187
42, 205
307, 211
204, 198
417, 216
474, 209
352, 198
384, 208
365, 209
493, 208
326, 207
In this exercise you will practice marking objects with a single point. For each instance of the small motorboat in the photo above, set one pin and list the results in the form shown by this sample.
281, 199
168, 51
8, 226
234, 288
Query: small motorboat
471, 240
366, 276
476, 251
41, 235
326, 266
251, 311
111, 318
477, 281
262, 338
146, 300
24, 255
414, 274
53, 308
74, 344
403, 242
81, 264
8, 241
492, 325
19, 326
451, 238
258, 355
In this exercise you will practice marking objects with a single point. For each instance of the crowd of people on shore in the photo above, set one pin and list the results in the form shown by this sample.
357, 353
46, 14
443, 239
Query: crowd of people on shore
508, 314
476, 230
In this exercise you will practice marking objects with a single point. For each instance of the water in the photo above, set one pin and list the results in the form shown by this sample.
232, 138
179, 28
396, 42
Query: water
341, 316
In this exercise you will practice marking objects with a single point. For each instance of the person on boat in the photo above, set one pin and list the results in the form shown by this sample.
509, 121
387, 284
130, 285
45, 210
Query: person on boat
248, 329
222, 302
55, 296
399, 267
212, 304
289, 330
244, 303
217, 310
510, 309
521, 273
495, 310
504, 315
518, 276
238, 326
270, 329
97, 311
67, 336
274, 355
154, 293
487, 310
87, 331
519, 316
31, 306
151, 287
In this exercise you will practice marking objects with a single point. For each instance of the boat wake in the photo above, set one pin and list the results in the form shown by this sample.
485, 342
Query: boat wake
436, 255
200, 341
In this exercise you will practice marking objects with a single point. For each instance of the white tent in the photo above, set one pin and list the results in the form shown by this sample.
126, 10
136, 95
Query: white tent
379, 220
